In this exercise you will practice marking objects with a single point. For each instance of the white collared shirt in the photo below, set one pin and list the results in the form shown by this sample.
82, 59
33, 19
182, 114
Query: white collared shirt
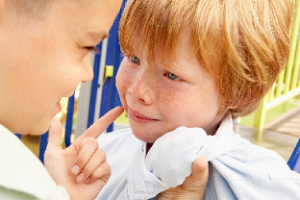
22, 175
238, 169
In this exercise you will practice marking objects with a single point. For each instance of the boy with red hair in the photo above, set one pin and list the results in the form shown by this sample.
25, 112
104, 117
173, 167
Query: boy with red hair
190, 68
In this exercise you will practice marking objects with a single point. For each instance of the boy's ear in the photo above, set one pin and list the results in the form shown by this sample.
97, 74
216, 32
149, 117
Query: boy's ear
233, 106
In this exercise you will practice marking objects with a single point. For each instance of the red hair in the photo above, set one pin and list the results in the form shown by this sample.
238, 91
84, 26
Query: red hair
244, 44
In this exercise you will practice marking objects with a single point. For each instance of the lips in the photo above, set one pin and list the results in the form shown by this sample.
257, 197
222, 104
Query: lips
138, 117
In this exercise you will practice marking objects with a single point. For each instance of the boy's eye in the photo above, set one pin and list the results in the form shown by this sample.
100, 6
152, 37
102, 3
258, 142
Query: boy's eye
134, 59
173, 76
93, 49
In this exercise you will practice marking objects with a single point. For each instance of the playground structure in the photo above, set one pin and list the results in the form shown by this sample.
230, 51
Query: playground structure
287, 85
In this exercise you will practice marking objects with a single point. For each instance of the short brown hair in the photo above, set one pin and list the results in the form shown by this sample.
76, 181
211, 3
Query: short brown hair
244, 44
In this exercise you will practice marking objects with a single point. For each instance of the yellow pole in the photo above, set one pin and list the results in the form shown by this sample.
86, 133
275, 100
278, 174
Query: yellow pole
294, 40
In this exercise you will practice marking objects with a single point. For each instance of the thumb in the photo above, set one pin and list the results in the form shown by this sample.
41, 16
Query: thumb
55, 134
199, 177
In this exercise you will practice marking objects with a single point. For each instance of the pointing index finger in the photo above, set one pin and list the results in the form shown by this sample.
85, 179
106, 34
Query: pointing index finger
101, 124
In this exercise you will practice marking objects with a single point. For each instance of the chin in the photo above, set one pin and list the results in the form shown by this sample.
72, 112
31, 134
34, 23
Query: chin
139, 134
39, 129
143, 136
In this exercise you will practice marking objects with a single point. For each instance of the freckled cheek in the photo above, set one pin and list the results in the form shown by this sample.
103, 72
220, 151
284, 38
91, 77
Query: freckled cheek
123, 82
171, 103
170, 100
188, 107
173, 106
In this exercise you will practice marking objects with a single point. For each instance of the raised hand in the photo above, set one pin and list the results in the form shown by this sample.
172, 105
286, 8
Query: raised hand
193, 187
81, 168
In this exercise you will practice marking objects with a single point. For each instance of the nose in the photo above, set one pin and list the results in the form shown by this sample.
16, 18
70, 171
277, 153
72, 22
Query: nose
88, 73
142, 92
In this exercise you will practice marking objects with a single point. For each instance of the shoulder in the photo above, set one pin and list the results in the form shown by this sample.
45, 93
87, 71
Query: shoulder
18, 165
254, 168
249, 161
12, 194
9, 194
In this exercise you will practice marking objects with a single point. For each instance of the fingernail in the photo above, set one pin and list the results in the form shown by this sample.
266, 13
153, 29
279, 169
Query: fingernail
80, 178
75, 170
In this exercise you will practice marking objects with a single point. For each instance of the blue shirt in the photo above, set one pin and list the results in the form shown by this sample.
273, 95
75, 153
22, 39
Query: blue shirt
238, 169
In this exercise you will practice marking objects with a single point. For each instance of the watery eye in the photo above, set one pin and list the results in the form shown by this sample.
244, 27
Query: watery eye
172, 76
134, 59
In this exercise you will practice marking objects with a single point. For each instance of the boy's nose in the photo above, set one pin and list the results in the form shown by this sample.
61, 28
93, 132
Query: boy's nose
141, 92
88, 71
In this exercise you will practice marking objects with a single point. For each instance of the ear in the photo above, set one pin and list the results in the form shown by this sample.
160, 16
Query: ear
230, 107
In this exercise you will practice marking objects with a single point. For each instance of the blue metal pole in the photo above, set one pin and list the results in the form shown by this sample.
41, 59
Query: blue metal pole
295, 156
94, 87
19, 135
43, 146
114, 93
69, 121
109, 91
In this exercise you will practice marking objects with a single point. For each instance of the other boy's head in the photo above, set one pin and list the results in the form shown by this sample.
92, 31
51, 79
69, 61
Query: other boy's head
189, 62
44, 55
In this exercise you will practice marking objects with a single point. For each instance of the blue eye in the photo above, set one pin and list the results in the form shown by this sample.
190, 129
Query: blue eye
172, 76
134, 59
